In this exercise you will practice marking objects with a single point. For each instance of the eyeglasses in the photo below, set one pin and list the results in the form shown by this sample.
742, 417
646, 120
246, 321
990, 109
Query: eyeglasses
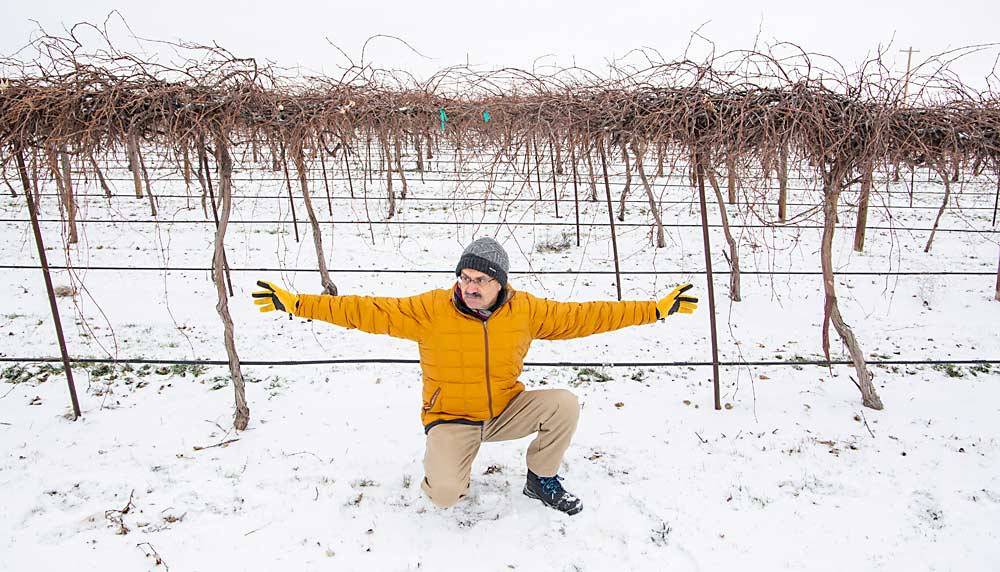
480, 281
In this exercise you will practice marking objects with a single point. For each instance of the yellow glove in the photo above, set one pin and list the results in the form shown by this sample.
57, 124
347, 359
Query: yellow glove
675, 302
272, 298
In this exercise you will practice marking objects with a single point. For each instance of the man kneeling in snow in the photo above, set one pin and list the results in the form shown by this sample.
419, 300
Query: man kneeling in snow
473, 338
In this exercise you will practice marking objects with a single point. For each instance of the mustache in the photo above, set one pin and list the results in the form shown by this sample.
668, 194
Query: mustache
473, 295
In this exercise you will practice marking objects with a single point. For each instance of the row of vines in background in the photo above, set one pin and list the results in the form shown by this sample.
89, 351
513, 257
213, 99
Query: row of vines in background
738, 121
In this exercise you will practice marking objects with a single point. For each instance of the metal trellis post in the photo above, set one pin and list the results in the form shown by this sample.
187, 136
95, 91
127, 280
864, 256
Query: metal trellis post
611, 218
48, 283
711, 283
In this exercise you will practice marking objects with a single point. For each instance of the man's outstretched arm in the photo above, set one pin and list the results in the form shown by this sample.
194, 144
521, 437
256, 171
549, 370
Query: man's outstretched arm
397, 317
566, 320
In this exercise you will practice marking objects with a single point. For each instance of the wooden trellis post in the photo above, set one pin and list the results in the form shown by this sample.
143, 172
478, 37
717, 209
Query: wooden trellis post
730, 176
70, 198
909, 61
132, 148
862, 222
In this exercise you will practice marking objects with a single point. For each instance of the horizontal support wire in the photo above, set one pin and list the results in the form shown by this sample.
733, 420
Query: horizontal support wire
498, 197
511, 273
527, 363
448, 164
483, 200
464, 181
445, 172
502, 223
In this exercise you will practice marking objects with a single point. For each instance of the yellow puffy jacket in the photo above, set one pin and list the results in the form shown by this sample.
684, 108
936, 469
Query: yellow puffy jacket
470, 366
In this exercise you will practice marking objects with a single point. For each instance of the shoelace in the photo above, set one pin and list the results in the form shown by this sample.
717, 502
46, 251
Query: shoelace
550, 485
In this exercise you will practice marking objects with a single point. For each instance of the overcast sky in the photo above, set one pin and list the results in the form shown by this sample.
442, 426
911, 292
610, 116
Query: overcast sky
524, 33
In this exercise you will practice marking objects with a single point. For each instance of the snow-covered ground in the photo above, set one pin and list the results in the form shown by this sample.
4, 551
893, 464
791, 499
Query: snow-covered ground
793, 474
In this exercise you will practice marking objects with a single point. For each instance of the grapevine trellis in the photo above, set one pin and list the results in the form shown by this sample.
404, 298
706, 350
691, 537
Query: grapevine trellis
65, 111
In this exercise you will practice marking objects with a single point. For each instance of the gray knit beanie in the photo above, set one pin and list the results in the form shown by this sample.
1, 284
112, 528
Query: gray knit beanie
487, 256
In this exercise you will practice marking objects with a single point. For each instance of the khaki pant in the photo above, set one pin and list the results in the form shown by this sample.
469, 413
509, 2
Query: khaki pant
451, 447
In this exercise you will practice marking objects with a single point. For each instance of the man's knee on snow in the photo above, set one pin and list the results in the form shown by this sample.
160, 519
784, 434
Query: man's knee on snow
444, 495
565, 402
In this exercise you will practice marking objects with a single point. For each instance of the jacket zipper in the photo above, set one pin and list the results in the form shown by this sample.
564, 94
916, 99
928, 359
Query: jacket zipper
486, 340
489, 390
